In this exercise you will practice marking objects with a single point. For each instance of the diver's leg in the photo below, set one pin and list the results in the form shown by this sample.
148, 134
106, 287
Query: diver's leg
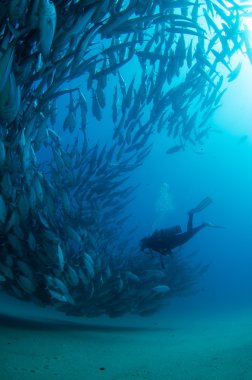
183, 238
190, 221
195, 230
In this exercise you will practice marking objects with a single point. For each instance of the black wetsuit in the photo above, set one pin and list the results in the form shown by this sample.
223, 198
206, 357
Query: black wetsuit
164, 241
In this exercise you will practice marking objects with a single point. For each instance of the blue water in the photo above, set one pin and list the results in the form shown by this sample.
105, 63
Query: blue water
205, 334
219, 168
176, 342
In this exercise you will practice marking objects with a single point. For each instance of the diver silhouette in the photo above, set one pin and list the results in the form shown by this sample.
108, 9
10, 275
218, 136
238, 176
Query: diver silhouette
165, 240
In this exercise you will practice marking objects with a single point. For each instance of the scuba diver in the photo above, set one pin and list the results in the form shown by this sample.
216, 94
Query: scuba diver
165, 240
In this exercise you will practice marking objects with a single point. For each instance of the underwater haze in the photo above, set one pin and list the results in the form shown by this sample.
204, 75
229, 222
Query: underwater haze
120, 124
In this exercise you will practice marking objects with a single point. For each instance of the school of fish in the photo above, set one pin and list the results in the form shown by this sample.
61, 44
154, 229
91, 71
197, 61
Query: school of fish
63, 205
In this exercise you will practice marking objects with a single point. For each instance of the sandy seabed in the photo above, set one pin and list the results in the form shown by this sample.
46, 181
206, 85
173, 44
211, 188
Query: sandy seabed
166, 346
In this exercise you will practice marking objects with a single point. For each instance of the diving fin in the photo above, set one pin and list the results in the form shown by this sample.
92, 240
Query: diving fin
209, 224
202, 205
